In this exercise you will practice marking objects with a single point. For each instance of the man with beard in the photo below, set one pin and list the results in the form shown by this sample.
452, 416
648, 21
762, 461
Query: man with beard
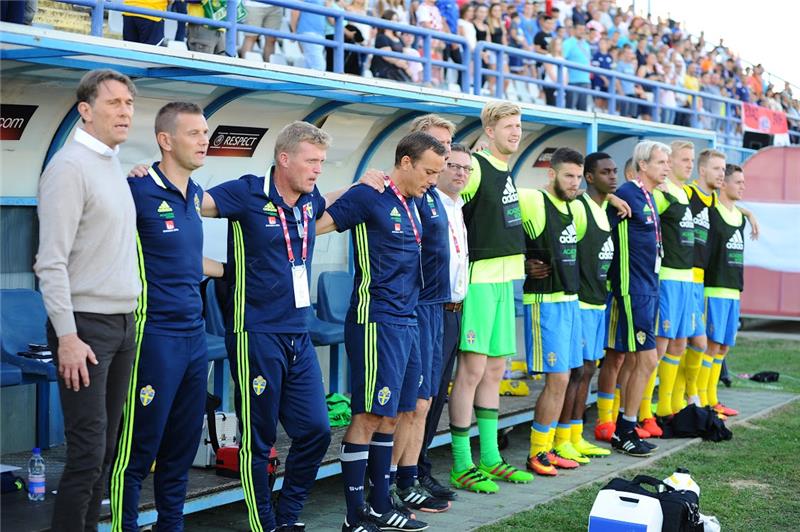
551, 240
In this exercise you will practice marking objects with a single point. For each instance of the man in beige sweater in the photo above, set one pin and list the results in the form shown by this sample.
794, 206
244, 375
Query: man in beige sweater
87, 270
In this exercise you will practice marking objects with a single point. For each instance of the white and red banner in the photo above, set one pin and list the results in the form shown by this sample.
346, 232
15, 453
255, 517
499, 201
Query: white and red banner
762, 120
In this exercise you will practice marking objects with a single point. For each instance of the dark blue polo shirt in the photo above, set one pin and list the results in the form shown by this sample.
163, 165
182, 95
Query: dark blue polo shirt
387, 257
258, 274
170, 234
435, 249
632, 269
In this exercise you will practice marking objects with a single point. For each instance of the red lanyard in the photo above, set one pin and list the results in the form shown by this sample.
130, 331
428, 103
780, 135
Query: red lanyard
288, 238
408, 211
655, 216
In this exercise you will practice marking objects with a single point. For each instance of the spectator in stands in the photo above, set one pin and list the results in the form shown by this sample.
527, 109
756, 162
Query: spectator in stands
579, 15
576, 50
144, 29
667, 97
389, 67
428, 16
414, 67
529, 24
550, 71
641, 51
466, 28
541, 41
264, 16
202, 38
601, 59
450, 15
398, 6
330, 31
88, 276
310, 25
13, 12
626, 65
648, 71
498, 34
361, 35
482, 32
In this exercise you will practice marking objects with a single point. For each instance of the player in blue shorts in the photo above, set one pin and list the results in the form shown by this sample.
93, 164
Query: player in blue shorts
410, 431
595, 251
724, 281
381, 333
676, 309
551, 240
271, 234
163, 415
634, 285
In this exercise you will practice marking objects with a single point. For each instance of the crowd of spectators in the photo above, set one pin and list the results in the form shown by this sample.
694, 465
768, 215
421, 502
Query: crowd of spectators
593, 32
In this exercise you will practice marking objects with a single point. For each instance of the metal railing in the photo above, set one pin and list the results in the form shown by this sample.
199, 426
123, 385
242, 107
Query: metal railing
724, 118
340, 18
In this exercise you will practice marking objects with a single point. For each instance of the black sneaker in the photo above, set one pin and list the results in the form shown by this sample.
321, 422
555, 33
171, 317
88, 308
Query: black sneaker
394, 520
646, 443
398, 504
436, 489
630, 444
297, 527
418, 498
363, 524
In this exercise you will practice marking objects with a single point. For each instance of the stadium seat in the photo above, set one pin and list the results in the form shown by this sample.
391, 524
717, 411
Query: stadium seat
10, 375
23, 319
212, 293
331, 334
333, 295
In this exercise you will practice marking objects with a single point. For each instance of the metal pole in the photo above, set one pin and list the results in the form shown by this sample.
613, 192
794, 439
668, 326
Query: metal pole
338, 51
97, 18
230, 31
426, 53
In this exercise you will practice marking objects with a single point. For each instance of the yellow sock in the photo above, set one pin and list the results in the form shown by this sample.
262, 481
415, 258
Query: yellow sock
615, 406
540, 439
679, 388
551, 438
693, 360
703, 378
646, 406
667, 371
713, 379
563, 433
576, 431
605, 407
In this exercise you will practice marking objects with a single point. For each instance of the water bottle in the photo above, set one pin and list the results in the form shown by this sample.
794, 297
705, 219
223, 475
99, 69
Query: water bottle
36, 487
682, 480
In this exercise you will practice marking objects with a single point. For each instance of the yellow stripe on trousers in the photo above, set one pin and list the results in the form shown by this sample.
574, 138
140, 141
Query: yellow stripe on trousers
122, 459
243, 378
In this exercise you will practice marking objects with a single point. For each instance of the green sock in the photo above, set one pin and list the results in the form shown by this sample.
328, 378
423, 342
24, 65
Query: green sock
459, 447
487, 432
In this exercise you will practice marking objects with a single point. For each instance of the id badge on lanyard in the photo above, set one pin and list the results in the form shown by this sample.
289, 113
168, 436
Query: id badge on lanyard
302, 298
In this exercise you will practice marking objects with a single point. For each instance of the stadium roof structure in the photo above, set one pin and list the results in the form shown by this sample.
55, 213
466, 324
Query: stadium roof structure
49, 56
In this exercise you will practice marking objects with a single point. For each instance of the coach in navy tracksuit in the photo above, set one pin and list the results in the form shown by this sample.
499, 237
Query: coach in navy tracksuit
163, 415
271, 233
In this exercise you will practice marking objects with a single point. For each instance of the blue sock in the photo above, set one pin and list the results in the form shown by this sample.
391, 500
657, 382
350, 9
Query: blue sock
380, 460
406, 475
354, 465
625, 424
392, 474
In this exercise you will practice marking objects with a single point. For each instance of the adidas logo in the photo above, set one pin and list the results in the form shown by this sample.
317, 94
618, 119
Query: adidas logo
607, 252
687, 222
735, 241
568, 235
164, 207
394, 213
702, 218
269, 207
509, 192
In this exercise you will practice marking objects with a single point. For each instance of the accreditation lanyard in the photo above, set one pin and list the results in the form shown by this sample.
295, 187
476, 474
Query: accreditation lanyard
659, 245
417, 237
453, 235
288, 239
